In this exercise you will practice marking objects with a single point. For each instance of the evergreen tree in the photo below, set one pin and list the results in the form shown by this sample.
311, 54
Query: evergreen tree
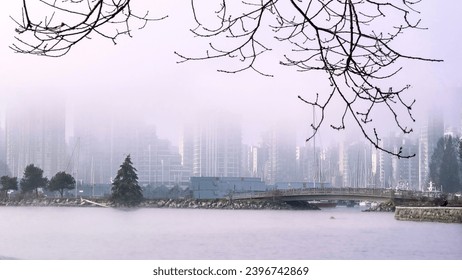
449, 171
444, 165
435, 162
125, 188
60, 182
460, 150
33, 179
460, 159
8, 183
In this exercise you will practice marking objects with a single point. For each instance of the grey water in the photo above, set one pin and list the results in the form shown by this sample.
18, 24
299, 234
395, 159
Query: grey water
142, 234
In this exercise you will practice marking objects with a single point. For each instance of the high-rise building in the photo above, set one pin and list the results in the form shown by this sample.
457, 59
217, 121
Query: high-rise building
250, 166
408, 168
355, 164
91, 159
102, 149
158, 162
4, 170
389, 171
320, 166
389, 164
281, 164
254, 160
431, 132
35, 134
212, 147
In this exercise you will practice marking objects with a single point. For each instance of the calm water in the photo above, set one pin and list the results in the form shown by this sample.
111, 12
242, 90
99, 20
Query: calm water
340, 233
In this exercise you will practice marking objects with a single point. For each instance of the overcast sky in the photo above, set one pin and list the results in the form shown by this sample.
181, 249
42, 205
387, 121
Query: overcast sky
140, 74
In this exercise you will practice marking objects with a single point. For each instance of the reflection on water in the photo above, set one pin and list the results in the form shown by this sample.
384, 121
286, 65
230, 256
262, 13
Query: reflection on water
340, 233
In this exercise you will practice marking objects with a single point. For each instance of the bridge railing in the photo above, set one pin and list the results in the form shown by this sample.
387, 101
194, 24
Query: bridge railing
366, 192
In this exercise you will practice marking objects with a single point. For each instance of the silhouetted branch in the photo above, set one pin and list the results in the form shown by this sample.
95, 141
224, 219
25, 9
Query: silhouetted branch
67, 22
347, 39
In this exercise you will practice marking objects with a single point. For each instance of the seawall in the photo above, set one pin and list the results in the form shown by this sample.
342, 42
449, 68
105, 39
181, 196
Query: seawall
164, 203
429, 214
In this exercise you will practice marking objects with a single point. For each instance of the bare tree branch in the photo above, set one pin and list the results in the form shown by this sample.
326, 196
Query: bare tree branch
67, 22
349, 40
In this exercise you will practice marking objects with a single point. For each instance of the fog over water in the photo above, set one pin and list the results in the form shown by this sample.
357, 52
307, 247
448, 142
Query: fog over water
139, 78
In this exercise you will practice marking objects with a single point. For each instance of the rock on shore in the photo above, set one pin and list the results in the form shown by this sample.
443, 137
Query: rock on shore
429, 214
388, 206
226, 204
164, 203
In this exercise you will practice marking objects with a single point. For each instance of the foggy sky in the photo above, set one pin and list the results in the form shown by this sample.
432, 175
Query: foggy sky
139, 78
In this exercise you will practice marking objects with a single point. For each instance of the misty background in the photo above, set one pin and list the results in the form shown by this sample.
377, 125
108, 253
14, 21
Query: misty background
138, 81
140, 76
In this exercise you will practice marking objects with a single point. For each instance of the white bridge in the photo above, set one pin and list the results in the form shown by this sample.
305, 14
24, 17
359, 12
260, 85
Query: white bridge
306, 194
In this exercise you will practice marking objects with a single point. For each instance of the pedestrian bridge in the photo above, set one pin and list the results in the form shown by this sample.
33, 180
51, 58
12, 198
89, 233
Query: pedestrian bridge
306, 194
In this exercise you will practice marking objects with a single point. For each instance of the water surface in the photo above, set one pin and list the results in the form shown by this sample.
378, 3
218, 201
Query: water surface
333, 234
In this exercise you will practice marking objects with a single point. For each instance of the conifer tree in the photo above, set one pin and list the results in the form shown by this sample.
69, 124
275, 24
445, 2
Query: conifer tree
460, 149
460, 159
435, 162
444, 165
449, 171
125, 188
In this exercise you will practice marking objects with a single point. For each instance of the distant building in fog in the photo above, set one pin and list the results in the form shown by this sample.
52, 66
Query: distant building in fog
4, 170
35, 134
430, 133
355, 164
254, 160
102, 150
408, 169
250, 161
212, 147
281, 148
320, 167
157, 161
90, 150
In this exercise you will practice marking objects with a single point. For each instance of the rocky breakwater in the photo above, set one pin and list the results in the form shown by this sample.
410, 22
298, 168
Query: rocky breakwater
429, 214
54, 202
226, 204
388, 206
164, 203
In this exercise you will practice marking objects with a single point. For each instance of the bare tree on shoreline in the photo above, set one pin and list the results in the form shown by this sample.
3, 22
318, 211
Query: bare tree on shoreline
349, 41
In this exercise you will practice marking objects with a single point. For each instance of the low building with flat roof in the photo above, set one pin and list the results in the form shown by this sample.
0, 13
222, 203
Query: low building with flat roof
224, 187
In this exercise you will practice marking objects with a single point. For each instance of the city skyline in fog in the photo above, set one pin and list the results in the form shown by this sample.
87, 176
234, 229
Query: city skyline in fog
209, 147
139, 78
106, 118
